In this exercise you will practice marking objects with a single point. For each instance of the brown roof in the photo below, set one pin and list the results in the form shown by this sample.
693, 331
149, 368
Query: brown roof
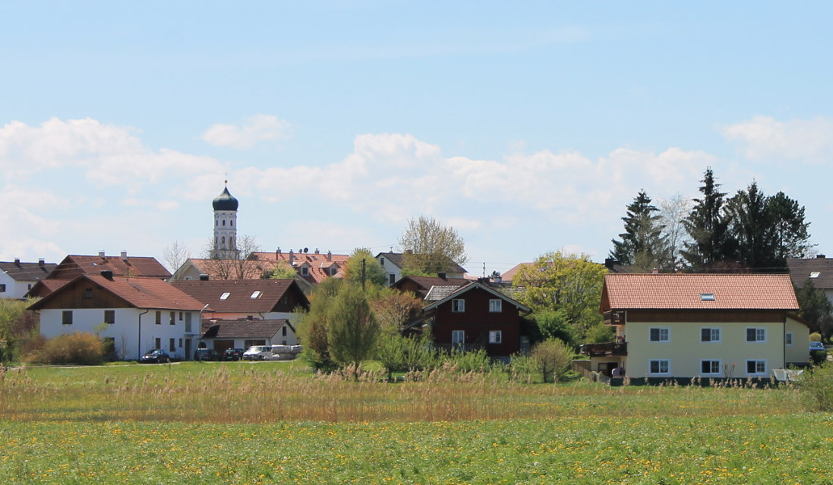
509, 275
45, 287
818, 270
239, 298
20, 271
682, 291
135, 266
428, 281
319, 266
138, 292
228, 329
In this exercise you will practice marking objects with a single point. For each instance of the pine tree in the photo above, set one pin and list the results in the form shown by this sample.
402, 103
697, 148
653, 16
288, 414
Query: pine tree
789, 231
707, 226
642, 244
751, 224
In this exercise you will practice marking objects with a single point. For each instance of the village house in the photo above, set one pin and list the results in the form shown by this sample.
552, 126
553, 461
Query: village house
242, 334
684, 326
75, 265
393, 263
818, 271
421, 285
18, 277
135, 314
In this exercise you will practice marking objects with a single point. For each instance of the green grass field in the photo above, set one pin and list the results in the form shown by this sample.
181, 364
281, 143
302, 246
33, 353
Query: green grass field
275, 423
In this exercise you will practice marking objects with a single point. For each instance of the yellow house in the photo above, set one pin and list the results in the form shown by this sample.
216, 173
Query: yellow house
700, 325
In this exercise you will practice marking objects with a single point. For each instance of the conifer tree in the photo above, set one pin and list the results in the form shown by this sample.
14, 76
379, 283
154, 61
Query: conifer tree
642, 244
707, 226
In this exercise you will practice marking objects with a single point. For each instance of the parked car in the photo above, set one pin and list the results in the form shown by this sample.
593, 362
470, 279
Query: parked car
816, 345
258, 352
205, 354
233, 354
155, 356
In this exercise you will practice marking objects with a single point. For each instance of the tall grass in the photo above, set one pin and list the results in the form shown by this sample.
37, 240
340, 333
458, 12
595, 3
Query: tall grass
260, 393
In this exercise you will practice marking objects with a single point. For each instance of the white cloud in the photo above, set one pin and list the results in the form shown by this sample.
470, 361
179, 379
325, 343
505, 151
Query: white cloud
256, 129
765, 138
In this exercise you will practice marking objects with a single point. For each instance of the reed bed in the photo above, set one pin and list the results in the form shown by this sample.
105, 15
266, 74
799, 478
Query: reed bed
263, 393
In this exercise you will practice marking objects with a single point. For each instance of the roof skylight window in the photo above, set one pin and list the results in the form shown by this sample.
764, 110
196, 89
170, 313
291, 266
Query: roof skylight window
707, 297
256, 294
225, 295
815, 274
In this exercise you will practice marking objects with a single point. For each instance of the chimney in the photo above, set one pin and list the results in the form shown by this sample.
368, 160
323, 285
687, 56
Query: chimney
107, 274
41, 262
316, 251
655, 271
610, 263
124, 255
203, 277
17, 262
820, 256
101, 254
329, 256
291, 257
278, 252
441, 275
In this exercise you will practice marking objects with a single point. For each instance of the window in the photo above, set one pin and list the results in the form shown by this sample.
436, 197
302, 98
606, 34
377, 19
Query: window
172, 345
180, 343
382, 261
788, 338
109, 316
495, 305
283, 331
660, 335
458, 305
710, 367
304, 271
458, 338
225, 295
188, 322
495, 336
756, 367
815, 274
159, 318
158, 342
709, 335
2, 288
707, 297
391, 278
256, 294
88, 293
172, 319
756, 335
66, 317
180, 316
659, 366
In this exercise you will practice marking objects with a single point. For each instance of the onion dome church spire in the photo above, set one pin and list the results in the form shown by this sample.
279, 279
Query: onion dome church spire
225, 225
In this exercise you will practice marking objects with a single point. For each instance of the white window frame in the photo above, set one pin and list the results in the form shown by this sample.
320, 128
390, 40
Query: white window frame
788, 338
458, 338
458, 305
711, 335
495, 305
659, 366
757, 340
756, 374
661, 340
712, 374
495, 336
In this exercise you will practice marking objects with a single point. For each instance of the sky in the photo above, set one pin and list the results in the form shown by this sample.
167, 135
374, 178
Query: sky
526, 126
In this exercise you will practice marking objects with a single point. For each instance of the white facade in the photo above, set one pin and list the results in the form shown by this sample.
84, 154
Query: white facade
225, 233
13, 289
182, 335
393, 271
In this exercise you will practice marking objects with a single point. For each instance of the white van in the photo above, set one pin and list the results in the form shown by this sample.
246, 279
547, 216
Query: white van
258, 352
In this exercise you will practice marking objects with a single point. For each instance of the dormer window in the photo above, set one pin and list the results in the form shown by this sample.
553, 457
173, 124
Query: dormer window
707, 297
225, 296
305, 270
256, 294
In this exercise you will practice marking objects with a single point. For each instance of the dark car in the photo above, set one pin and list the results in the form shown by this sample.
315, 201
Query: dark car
233, 354
155, 356
205, 354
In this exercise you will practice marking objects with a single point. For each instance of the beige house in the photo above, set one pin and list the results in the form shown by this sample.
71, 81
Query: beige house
700, 325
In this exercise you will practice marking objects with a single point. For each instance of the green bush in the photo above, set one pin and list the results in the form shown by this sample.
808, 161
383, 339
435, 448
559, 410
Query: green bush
815, 337
470, 361
817, 384
76, 348
522, 368
552, 359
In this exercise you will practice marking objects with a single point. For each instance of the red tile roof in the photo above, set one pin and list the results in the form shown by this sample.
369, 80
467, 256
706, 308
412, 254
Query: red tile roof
509, 275
239, 298
138, 292
319, 267
135, 266
682, 291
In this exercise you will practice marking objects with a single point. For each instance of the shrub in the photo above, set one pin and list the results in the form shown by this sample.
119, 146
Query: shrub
76, 348
522, 368
552, 359
817, 384
470, 361
815, 337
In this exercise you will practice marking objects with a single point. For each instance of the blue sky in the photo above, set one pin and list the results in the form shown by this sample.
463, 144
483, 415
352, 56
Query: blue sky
528, 126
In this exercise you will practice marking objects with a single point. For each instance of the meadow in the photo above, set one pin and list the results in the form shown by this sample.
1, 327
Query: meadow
276, 422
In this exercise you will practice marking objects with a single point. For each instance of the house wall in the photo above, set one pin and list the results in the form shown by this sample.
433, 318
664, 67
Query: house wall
14, 289
390, 269
685, 350
799, 351
477, 321
125, 330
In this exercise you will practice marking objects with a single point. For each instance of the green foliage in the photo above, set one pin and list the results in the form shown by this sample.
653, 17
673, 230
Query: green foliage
470, 361
431, 247
373, 271
394, 309
643, 244
552, 359
282, 271
707, 225
565, 290
353, 330
17, 326
815, 337
600, 333
402, 354
816, 309
817, 385
76, 348
314, 326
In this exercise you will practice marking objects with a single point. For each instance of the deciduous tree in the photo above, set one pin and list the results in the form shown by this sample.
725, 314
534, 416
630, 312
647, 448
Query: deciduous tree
373, 273
431, 247
353, 330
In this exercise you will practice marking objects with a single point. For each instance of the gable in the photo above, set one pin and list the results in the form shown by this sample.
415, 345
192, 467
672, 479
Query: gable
81, 293
464, 292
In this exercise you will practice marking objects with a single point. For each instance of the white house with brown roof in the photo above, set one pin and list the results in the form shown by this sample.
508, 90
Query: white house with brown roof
393, 263
137, 314
700, 325
18, 277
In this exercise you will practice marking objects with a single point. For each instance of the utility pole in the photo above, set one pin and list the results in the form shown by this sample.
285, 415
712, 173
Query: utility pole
363, 272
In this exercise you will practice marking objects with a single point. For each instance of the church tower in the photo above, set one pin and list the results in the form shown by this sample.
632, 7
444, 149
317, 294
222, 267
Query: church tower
225, 225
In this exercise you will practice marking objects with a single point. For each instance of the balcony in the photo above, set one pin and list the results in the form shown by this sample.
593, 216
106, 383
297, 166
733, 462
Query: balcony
607, 349
614, 318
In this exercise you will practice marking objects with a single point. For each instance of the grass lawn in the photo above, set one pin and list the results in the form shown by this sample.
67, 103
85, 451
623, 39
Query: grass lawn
274, 422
